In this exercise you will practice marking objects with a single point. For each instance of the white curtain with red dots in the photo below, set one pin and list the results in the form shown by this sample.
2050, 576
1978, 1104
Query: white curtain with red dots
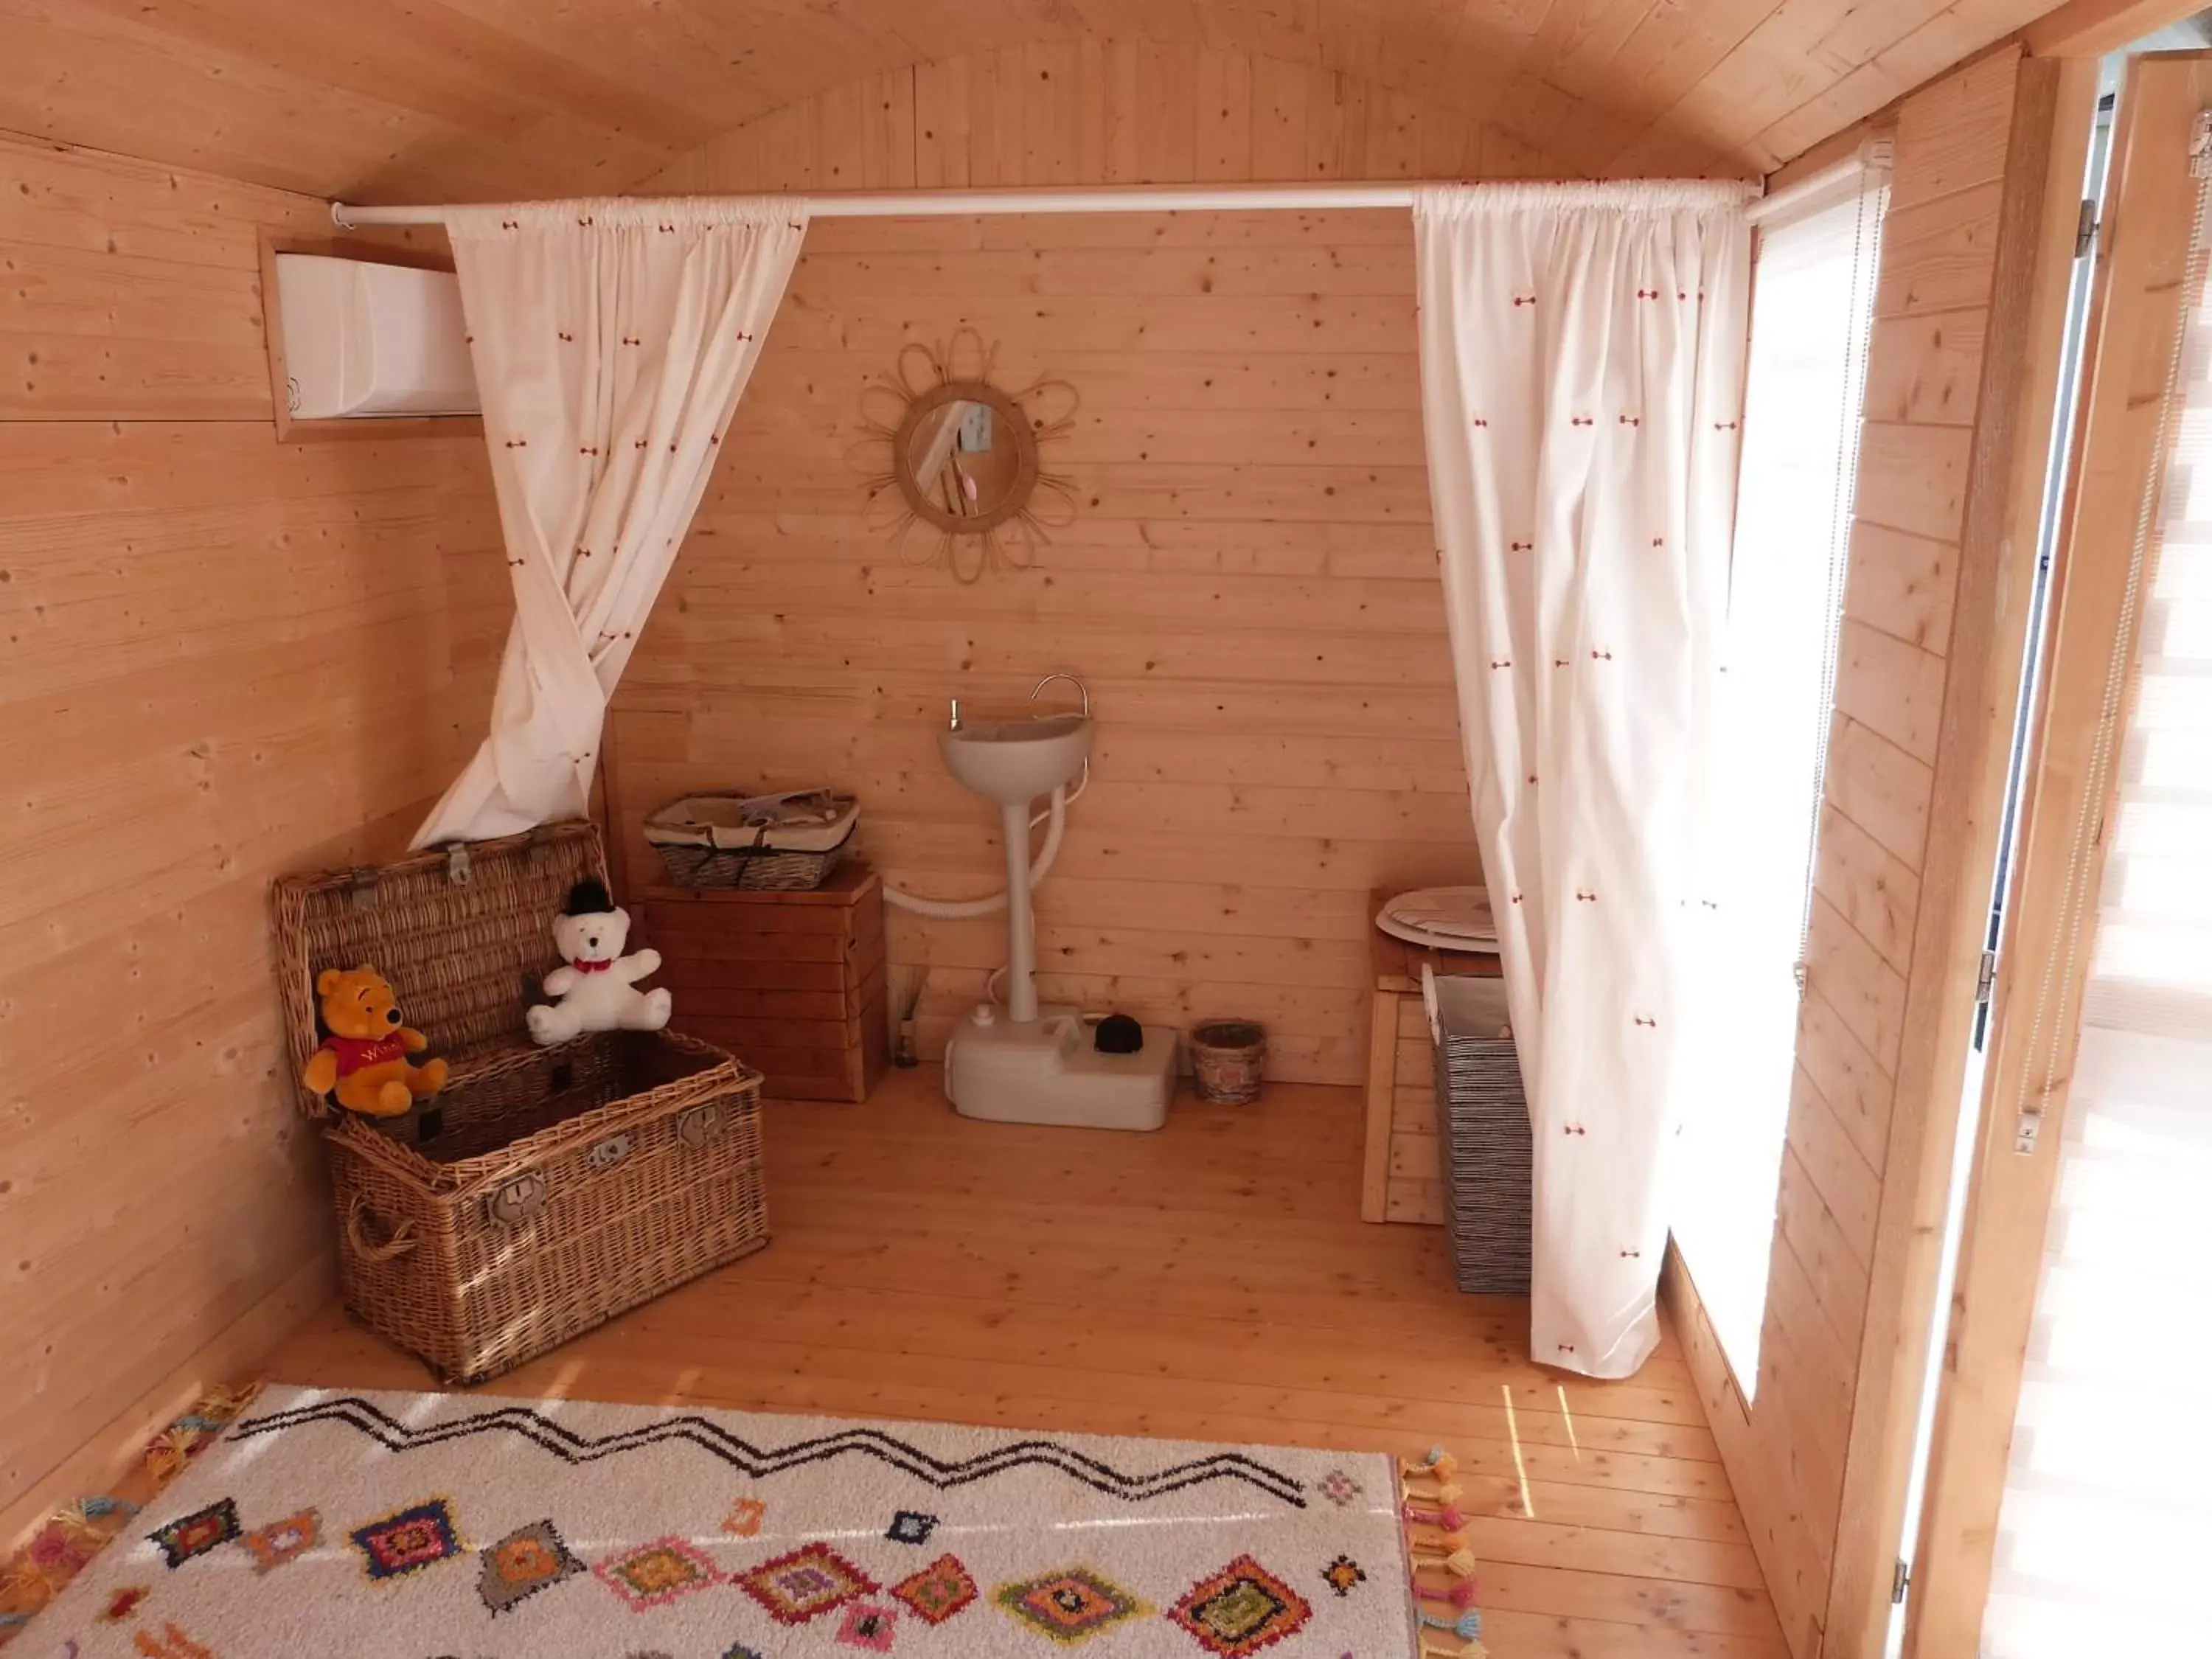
611, 341
1582, 368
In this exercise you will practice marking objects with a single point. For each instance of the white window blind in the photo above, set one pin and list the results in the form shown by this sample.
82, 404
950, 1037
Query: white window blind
1811, 313
2107, 1523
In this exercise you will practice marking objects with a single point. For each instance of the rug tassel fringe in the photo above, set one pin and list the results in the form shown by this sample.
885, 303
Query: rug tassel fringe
68, 1540
226, 1404
1437, 1465
1449, 1548
1436, 1542
1467, 1626
25, 1586
1460, 1593
91, 1522
168, 1452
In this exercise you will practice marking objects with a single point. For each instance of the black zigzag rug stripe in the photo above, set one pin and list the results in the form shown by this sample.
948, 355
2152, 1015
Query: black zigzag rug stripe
756, 1460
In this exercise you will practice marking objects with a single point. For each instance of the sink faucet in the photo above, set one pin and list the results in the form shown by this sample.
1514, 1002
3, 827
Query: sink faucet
1073, 680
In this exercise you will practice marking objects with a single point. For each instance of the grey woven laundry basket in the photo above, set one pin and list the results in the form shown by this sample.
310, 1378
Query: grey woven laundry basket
1482, 1130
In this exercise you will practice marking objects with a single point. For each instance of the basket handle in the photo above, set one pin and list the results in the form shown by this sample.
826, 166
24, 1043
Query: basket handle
401, 1242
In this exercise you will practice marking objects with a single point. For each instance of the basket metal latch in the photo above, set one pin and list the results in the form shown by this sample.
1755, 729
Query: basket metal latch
700, 1125
457, 865
518, 1200
605, 1154
364, 877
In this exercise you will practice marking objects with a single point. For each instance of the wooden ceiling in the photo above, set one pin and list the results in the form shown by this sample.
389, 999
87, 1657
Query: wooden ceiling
391, 99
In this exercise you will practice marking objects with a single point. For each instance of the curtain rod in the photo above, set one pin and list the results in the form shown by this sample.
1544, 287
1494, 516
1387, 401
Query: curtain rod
892, 204
918, 203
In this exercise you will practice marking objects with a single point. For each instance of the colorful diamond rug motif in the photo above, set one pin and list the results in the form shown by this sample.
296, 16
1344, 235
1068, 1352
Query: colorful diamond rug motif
1241, 1609
868, 1627
805, 1584
527, 1560
198, 1533
415, 1538
658, 1573
281, 1541
1069, 1606
1339, 1487
939, 1590
910, 1526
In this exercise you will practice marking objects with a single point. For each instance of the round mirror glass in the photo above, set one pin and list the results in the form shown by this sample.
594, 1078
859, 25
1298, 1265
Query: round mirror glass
965, 457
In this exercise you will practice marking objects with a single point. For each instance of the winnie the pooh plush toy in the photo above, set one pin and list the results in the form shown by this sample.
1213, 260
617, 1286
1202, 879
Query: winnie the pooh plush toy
364, 1058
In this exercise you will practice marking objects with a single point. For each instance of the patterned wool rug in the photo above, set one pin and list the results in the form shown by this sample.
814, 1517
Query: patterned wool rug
390, 1525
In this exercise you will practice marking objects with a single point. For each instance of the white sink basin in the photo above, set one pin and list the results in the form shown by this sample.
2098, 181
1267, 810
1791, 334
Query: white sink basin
1014, 762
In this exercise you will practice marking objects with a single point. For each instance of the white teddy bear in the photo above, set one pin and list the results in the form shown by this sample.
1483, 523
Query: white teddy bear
598, 987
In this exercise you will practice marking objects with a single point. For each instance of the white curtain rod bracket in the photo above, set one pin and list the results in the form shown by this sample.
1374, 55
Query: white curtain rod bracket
1835, 181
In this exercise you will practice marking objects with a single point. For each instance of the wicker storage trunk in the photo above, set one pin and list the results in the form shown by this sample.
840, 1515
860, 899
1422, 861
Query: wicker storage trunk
544, 1190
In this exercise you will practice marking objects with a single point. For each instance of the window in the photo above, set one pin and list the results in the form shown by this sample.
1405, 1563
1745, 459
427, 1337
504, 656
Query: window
2107, 1520
1811, 313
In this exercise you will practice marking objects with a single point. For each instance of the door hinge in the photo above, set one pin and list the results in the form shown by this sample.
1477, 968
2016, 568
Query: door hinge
1897, 1581
2085, 229
1986, 983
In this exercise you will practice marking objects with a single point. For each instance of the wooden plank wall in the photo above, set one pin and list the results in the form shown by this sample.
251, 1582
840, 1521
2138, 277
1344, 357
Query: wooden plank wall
1248, 584
1852, 1162
219, 658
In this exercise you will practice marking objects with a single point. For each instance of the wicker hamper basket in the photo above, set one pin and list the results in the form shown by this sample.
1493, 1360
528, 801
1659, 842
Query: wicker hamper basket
1482, 1130
737, 841
548, 1189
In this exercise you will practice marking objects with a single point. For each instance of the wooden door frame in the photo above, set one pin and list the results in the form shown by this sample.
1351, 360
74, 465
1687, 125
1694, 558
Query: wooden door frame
2051, 117
2135, 316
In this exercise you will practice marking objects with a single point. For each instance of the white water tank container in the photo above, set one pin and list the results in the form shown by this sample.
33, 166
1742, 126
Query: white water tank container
364, 340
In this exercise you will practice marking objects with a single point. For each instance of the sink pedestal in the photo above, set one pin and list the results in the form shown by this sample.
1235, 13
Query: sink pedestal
1025, 1064
1021, 913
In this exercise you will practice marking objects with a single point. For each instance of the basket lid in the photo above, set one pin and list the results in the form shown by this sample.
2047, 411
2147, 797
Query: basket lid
464, 933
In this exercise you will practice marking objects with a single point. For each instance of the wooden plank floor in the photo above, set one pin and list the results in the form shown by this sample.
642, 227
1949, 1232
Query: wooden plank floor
1212, 1281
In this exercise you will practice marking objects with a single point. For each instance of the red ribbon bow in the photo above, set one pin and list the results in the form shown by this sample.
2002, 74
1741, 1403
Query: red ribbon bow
590, 967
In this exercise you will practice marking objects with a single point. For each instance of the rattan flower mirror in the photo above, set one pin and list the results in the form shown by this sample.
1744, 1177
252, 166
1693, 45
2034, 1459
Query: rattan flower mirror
956, 474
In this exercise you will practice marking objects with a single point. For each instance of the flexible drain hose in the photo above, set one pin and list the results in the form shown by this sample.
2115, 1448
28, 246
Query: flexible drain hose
951, 909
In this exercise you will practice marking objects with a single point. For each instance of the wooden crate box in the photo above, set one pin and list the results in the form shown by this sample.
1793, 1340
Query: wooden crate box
1402, 1179
792, 983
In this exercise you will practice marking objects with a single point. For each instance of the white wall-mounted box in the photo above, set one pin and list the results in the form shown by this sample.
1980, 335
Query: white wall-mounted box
365, 341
